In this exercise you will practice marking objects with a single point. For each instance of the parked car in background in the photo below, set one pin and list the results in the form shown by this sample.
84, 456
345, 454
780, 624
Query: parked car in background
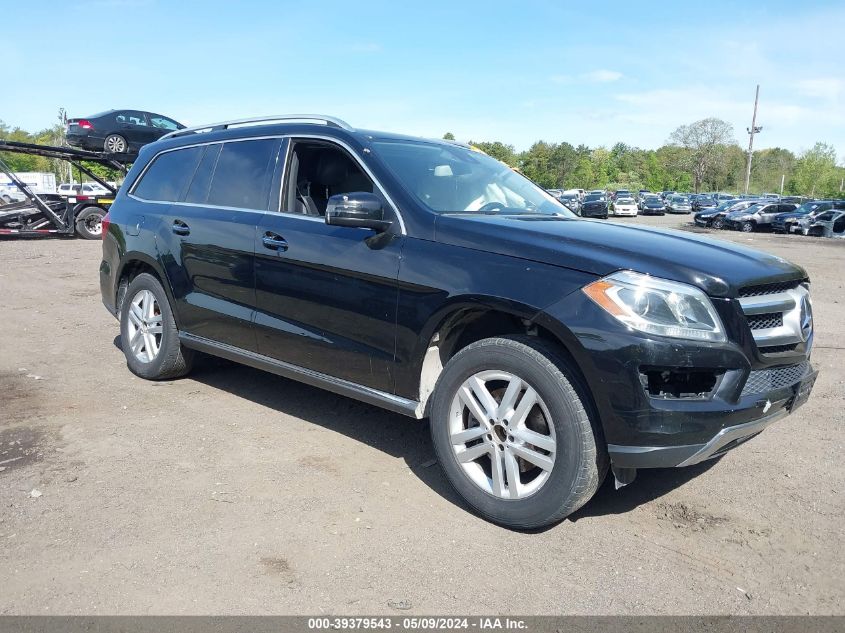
825, 224
678, 204
84, 189
770, 196
10, 193
119, 131
652, 205
621, 193
706, 216
783, 222
572, 202
702, 201
594, 206
733, 205
758, 217
624, 207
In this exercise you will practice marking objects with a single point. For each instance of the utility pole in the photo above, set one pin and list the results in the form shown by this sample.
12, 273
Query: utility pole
754, 129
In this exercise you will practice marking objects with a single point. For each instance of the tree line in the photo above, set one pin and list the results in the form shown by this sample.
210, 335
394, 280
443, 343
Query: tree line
701, 156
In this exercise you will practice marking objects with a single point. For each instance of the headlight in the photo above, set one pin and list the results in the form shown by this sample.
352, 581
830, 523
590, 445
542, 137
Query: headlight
657, 306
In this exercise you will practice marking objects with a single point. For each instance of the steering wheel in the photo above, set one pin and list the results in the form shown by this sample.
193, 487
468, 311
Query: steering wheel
490, 206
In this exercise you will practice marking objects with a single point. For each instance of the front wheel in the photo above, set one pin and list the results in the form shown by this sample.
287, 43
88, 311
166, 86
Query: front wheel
718, 223
148, 334
512, 429
747, 227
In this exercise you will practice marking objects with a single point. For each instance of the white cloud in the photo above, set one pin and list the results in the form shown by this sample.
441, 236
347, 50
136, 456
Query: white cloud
821, 88
602, 76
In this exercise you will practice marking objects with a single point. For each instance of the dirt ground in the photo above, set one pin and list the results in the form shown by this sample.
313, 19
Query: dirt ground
234, 491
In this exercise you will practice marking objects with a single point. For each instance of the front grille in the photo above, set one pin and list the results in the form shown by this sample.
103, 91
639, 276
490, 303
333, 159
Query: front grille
767, 320
766, 380
768, 289
779, 315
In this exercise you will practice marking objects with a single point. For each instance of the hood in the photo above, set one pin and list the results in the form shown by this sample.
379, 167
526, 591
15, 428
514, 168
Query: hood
717, 267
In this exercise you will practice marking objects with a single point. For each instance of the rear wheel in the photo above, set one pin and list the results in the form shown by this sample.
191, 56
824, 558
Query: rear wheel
512, 430
89, 223
115, 144
148, 334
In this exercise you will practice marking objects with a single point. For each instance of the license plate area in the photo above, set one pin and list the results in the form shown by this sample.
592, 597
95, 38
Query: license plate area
802, 391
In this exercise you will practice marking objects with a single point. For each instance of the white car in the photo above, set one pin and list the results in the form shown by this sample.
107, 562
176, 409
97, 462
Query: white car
85, 189
625, 206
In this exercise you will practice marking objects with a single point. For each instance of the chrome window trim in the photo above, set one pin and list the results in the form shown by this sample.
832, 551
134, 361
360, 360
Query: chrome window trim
131, 192
290, 138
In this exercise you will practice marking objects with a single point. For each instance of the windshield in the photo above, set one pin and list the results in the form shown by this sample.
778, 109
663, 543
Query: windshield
594, 197
454, 179
625, 201
726, 205
809, 207
680, 199
653, 200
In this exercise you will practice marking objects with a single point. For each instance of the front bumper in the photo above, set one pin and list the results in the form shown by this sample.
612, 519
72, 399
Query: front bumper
722, 441
647, 426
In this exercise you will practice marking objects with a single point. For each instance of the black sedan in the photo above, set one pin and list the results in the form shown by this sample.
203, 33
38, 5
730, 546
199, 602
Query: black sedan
119, 131
652, 205
594, 206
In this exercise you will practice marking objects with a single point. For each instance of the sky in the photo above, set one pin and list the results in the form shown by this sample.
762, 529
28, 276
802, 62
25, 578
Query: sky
589, 72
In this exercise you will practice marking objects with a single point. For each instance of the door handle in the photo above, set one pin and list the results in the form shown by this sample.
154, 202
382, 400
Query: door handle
180, 228
274, 242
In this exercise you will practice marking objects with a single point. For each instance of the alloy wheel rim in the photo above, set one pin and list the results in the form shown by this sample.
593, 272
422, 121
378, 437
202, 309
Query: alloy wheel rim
144, 326
115, 144
502, 435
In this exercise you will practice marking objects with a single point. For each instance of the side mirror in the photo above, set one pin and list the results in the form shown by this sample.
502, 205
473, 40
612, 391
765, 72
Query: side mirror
359, 209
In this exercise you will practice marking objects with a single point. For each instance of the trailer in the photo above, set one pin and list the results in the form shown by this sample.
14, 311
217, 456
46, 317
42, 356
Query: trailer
44, 214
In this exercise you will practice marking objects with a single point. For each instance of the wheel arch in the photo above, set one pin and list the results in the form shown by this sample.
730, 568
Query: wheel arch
468, 320
133, 264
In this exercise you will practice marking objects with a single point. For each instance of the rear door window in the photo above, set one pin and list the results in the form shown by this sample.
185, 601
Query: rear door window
167, 178
198, 189
243, 173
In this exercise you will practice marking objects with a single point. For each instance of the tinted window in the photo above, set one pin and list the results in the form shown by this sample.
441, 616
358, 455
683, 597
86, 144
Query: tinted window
242, 176
131, 117
169, 175
198, 189
163, 122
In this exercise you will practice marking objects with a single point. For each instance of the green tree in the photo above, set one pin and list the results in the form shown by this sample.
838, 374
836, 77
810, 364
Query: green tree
815, 170
448, 136
704, 142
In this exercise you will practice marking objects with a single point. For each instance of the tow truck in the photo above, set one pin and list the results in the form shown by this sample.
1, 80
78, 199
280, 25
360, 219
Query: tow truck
44, 214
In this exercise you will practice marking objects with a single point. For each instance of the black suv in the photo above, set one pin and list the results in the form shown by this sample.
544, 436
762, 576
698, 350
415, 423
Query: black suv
427, 278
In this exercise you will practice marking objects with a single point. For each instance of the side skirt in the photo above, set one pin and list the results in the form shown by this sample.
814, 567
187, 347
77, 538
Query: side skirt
339, 386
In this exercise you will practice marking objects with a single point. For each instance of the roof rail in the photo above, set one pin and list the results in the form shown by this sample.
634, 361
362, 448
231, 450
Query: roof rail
224, 125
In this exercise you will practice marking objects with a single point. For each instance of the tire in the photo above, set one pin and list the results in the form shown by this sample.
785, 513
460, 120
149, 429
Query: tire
747, 227
576, 459
718, 223
89, 223
115, 144
171, 359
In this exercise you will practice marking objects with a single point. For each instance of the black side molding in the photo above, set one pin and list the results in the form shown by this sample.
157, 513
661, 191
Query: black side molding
411, 408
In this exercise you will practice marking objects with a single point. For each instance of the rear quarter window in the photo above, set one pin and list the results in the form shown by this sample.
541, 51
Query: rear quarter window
168, 176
